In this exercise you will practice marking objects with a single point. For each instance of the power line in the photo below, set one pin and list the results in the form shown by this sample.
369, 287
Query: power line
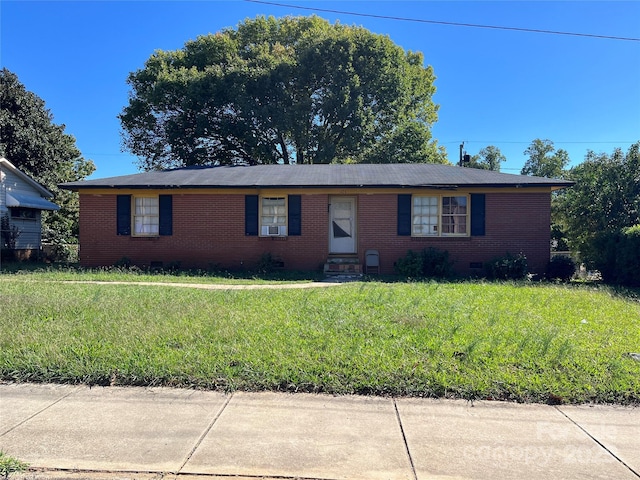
454, 24
441, 142
529, 141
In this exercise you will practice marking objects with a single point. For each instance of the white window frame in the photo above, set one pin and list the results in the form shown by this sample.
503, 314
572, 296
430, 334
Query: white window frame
277, 226
147, 222
438, 202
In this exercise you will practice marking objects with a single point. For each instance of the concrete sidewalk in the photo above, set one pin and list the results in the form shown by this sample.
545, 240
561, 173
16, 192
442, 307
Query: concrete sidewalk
76, 432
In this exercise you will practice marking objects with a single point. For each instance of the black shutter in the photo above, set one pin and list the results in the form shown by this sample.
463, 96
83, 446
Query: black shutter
166, 214
251, 215
404, 215
477, 214
294, 212
123, 214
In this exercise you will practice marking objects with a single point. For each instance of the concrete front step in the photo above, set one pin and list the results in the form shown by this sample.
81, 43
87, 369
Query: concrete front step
339, 266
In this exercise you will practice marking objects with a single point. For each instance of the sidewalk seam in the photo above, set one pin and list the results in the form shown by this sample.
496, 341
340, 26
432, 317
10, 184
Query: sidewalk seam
205, 433
74, 390
598, 442
404, 440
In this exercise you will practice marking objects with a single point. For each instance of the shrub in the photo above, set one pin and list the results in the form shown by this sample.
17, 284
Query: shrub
429, 263
61, 252
268, 263
628, 257
172, 267
561, 268
124, 262
507, 267
410, 265
600, 254
616, 256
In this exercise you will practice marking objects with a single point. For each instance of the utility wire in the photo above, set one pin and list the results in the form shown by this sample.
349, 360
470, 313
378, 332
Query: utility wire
454, 24
441, 142
529, 141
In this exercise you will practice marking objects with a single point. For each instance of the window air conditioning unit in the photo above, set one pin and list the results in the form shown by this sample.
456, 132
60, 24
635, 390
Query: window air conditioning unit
274, 230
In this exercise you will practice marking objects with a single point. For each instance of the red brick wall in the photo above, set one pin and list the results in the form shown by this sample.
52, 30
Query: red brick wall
515, 223
208, 230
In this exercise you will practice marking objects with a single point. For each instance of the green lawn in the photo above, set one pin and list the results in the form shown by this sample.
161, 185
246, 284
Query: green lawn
38, 271
523, 342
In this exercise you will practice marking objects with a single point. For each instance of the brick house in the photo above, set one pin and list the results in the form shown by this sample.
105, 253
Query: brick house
307, 216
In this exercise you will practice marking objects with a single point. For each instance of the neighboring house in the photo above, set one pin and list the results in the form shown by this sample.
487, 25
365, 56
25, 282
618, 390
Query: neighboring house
22, 200
306, 216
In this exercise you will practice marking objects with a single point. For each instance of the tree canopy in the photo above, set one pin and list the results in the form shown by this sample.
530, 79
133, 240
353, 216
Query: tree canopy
605, 198
33, 143
289, 90
488, 158
544, 160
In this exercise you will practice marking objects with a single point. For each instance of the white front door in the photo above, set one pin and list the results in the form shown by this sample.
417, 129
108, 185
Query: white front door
342, 225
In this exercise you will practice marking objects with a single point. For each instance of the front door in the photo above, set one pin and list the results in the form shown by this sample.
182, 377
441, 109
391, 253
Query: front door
342, 227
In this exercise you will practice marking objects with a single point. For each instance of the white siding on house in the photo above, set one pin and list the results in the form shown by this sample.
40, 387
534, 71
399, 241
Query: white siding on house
13, 183
30, 228
30, 232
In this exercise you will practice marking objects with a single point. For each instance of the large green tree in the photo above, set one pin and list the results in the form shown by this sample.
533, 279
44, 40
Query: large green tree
604, 200
488, 158
289, 90
33, 143
544, 160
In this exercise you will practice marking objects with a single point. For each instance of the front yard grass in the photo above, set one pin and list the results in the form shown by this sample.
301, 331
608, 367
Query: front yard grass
521, 342
39, 271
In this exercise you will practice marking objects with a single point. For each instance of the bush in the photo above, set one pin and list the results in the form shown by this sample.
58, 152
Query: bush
410, 265
600, 254
561, 268
268, 264
61, 252
429, 263
628, 257
124, 262
616, 256
507, 267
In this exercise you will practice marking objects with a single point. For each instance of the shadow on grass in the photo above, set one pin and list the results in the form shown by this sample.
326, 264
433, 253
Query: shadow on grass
17, 268
25, 267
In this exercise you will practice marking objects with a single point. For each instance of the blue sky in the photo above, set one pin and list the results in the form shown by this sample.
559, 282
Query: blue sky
494, 87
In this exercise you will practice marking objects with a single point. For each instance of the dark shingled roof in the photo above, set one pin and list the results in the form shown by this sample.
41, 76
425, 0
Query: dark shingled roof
319, 176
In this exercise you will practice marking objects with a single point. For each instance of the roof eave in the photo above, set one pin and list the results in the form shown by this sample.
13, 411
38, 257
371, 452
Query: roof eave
553, 186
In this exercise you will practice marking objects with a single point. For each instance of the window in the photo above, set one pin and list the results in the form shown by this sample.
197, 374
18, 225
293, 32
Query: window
146, 217
23, 213
425, 216
439, 215
273, 216
454, 215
